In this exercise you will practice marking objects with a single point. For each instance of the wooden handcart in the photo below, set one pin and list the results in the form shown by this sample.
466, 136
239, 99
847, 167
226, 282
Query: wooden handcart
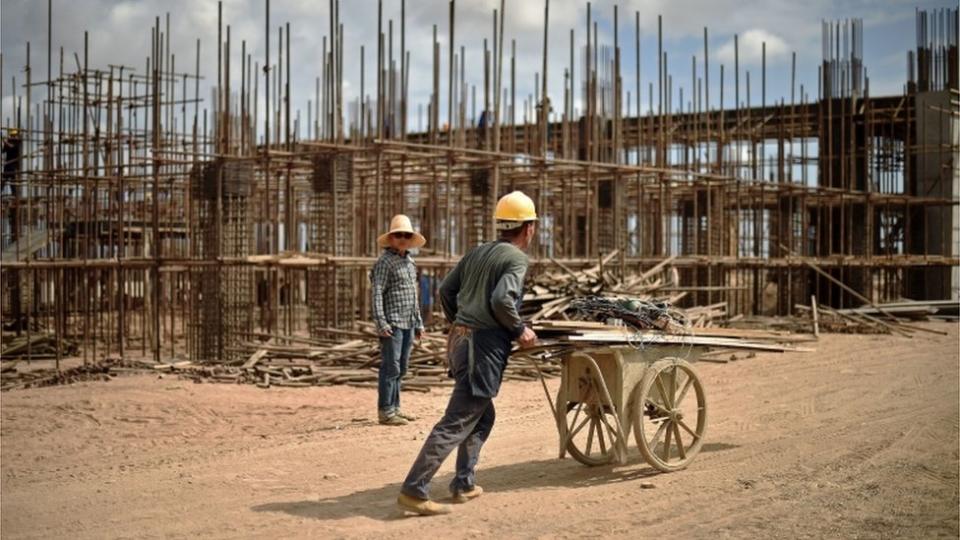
608, 391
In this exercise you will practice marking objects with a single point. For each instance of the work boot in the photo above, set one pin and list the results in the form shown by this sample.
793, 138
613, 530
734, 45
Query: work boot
461, 497
393, 420
406, 416
423, 507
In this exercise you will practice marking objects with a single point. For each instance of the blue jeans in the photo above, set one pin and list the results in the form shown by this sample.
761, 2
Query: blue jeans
394, 355
465, 426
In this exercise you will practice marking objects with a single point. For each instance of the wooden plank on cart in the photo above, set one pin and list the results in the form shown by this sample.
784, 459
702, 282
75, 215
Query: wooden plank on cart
651, 339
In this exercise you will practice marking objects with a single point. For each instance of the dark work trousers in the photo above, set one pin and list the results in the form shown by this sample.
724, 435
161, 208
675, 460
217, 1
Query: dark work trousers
394, 356
465, 425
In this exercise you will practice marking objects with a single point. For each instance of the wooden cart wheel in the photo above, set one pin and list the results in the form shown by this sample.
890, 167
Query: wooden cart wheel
669, 414
589, 425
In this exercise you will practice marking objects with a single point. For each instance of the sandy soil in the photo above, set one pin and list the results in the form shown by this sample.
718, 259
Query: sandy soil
857, 440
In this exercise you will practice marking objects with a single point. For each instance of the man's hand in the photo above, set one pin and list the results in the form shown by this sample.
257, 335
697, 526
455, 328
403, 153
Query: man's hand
386, 332
418, 333
527, 338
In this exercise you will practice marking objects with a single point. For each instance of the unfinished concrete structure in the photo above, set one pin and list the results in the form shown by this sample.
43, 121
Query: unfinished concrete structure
140, 223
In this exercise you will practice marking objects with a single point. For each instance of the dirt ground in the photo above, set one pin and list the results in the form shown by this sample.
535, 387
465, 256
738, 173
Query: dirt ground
857, 440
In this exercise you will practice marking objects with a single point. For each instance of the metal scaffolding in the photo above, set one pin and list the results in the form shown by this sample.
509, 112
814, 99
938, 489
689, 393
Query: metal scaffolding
140, 223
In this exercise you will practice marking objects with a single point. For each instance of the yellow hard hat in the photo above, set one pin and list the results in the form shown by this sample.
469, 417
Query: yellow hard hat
513, 209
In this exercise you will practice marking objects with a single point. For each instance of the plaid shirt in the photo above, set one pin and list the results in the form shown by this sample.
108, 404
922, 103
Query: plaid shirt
394, 291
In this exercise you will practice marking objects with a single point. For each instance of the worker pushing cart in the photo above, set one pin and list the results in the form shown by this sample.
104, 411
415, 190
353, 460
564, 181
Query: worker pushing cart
480, 298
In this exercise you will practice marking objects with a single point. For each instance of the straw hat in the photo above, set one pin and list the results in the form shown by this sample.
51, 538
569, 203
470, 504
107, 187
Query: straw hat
401, 223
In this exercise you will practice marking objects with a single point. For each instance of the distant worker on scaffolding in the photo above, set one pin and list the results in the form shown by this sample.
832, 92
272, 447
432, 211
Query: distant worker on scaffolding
396, 313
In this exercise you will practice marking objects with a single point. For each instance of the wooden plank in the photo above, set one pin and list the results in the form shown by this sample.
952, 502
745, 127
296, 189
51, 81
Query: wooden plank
576, 325
752, 334
254, 358
566, 269
656, 268
652, 340
816, 315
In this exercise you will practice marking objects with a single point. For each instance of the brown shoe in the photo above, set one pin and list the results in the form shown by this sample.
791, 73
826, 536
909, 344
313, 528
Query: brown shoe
423, 507
394, 420
406, 416
467, 496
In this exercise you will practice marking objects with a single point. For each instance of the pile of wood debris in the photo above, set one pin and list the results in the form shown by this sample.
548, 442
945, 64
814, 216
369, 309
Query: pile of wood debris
348, 357
600, 306
550, 294
39, 346
597, 307
890, 318
568, 309
16, 375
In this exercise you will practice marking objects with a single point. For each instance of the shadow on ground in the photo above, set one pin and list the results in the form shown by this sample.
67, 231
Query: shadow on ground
380, 503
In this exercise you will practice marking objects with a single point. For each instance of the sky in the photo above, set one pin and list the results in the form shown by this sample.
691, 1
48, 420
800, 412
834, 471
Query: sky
119, 33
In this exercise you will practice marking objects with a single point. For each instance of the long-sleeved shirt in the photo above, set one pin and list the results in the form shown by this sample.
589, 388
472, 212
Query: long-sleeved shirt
483, 292
394, 292
485, 288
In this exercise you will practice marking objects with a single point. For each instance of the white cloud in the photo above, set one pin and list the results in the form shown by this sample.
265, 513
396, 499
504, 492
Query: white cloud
751, 48
120, 34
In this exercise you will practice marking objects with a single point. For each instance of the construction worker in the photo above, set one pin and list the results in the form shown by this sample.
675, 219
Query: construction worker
396, 313
480, 298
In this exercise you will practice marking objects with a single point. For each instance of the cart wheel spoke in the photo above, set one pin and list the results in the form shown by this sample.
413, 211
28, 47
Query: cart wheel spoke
666, 441
593, 426
676, 435
574, 432
658, 434
600, 438
663, 392
659, 407
683, 393
610, 428
688, 430
575, 415
673, 387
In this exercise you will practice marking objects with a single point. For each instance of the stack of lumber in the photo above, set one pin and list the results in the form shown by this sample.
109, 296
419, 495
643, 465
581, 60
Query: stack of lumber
703, 316
595, 334
831, 321
37, 347
877, 318
910, 309
795, 325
